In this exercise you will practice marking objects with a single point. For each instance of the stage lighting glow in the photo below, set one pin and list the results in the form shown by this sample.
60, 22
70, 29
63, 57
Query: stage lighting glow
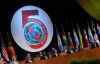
32, 28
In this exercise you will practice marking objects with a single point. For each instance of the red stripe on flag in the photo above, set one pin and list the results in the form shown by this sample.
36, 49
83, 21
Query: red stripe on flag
5, 55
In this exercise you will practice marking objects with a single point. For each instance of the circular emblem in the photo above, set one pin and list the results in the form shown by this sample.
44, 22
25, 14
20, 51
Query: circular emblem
35, 33
32, 28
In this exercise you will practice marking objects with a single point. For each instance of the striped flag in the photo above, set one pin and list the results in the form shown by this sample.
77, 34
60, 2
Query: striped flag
64, 37
76, 38
10, 47
70, 41
60, 46
5, 54
3, 49
86, 38
80, 36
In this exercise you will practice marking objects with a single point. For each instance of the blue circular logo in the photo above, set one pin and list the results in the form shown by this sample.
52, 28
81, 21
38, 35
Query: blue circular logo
33, 33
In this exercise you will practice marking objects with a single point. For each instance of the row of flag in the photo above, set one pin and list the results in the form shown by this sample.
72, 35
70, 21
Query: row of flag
77, 39
82, 37
6, 50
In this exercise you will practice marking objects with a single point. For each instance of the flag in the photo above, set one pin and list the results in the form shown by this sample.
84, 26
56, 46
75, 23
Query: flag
96, 38
5, 54
98, 29
76, 38
64, 38
10, 47
70, 41
3, 49
80, 36
60, 46
91, 38
86, 38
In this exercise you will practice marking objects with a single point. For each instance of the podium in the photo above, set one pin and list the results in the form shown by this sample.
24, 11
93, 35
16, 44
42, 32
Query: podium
36, 59
65, 58
22, 62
